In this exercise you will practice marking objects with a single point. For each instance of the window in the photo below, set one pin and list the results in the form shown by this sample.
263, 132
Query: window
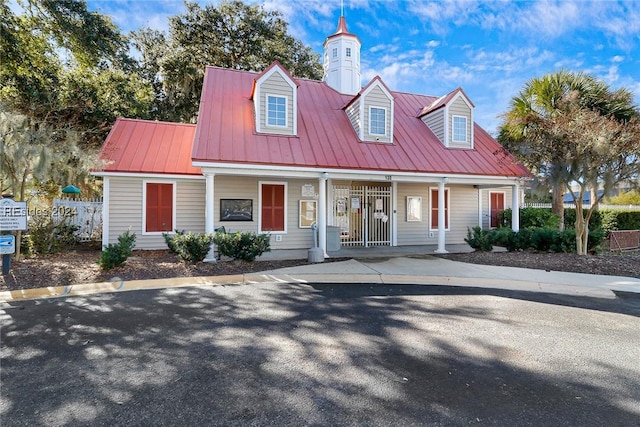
276, 111
377, 121
348, 52
459, 129
158, 207
273, 207
414, 208
496, 207
335, 52
308, 213
434, 209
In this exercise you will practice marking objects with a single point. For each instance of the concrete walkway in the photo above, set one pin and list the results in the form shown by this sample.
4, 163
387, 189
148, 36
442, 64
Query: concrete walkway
375, 268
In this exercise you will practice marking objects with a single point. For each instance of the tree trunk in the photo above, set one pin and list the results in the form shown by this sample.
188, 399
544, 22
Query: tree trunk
582, 231
557, 204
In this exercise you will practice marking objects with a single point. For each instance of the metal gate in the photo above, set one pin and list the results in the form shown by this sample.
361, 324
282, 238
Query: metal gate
363, 213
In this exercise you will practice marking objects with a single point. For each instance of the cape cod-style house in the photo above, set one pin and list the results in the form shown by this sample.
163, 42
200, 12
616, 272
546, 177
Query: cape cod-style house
274, 153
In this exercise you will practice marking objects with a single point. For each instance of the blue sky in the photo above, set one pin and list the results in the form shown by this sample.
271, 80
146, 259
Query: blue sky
489, 48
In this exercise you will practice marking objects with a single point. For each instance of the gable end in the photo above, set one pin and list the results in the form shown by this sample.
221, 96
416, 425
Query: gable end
275, 102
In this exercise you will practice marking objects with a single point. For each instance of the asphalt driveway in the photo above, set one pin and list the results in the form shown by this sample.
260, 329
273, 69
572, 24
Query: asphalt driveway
286, 354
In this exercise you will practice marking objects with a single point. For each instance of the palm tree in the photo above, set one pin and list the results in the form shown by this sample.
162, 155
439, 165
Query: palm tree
546, 101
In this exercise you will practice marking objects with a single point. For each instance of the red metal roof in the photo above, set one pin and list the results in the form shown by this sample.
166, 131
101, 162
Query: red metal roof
326, 139
142, 146
442, 101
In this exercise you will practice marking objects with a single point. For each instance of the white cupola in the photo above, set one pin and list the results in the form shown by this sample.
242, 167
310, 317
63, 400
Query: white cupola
342, 60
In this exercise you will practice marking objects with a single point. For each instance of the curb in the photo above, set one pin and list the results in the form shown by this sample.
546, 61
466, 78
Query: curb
256, 278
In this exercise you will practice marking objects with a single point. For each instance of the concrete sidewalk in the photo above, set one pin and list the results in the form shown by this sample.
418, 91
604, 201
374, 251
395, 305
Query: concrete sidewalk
426, 270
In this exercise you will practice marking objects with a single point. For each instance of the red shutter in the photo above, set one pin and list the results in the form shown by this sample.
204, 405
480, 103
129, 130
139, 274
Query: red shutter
159, 207
497, 206
272, 207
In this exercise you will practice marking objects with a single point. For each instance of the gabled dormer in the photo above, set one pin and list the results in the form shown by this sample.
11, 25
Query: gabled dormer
450, 118
275, 101
371, 112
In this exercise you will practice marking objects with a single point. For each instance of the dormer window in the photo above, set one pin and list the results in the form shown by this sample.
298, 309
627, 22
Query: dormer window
459, 129
275, 102
348, 52
276, 111
377, 121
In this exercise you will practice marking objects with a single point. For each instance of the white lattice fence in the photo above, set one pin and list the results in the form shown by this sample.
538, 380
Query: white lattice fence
86, 214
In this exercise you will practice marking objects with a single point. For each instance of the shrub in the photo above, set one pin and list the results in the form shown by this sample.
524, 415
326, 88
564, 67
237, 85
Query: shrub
45, 236
116, 254
244, 246
564, 241
531, 218
522, 239
168, 238
543, 238
191, 247
504, 237
479, 239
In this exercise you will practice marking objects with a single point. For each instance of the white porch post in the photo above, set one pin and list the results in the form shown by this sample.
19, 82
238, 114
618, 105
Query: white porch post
106, 193
441, 218
322, 213
394, 214
209, 225
480, 207
515, 207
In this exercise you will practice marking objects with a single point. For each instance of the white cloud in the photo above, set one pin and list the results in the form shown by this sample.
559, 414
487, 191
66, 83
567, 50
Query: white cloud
617, 58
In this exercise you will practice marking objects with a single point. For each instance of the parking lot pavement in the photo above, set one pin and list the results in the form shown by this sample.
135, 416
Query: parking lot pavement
311, 354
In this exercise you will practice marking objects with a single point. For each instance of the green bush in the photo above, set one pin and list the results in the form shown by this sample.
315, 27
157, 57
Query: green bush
564, 241
531, 218
479, 239
244, 246
116, 254
191, 247
522, 239
46, 236
504, 237
542, 239
168, 238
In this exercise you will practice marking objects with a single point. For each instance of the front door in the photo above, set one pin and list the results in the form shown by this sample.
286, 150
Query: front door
496, 205
363, 213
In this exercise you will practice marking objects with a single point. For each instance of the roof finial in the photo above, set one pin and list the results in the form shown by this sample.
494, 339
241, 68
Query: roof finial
341, 7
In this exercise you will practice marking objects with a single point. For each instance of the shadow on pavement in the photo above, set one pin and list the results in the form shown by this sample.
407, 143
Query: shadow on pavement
303, 355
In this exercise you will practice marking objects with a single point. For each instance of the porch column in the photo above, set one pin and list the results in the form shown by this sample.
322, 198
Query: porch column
322, 213
394, 213
441, 217
209, 225
515, 207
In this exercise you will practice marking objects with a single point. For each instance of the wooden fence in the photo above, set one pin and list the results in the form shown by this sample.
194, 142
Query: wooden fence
85, 214
623, 240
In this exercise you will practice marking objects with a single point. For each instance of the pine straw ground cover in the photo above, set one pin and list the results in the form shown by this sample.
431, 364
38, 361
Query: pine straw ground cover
80, 266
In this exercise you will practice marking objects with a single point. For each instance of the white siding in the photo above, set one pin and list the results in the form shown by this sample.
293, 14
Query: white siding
278, 86
459, 108
463, 214
125, 209
377, 98
435, 122
233, 187
353, 113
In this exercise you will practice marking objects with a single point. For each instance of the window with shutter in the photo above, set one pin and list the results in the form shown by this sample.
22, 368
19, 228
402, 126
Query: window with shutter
273, 200
158, 215
434, 209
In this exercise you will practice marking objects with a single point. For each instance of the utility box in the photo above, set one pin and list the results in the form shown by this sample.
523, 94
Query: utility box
333, 238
